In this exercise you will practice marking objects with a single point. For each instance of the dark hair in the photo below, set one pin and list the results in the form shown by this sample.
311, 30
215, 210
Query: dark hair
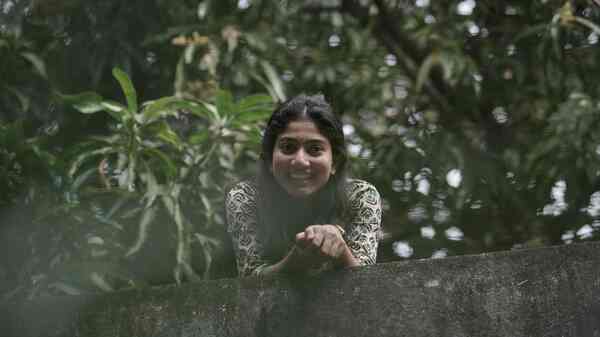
279, 220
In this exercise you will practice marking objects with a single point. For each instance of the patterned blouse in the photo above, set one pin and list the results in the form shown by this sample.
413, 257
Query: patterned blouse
362, 229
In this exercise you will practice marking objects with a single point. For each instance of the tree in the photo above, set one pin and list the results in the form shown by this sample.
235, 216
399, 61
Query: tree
474, 119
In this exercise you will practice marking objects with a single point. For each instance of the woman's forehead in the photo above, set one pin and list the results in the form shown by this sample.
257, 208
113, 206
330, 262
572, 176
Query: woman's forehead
302, 129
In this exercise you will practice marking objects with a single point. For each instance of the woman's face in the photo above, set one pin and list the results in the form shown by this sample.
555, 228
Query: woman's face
302, 159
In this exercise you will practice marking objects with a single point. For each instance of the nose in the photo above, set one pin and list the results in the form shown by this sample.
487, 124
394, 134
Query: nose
300, 158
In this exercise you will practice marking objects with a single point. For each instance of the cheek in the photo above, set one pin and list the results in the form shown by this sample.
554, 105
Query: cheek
330, 163
277, 164
333, 165
325, 167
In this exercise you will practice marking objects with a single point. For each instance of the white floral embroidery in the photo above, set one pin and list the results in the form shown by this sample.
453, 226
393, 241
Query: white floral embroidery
362, 226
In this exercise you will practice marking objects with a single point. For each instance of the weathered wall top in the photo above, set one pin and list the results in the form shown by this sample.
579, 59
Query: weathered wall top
540, 292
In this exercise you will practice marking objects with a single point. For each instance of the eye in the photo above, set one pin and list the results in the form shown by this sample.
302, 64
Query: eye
314, 149
287, 147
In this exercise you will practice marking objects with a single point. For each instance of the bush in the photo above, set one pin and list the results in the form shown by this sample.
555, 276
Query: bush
142, 204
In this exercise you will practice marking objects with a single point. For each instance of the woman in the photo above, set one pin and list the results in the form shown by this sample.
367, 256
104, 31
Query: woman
301, 213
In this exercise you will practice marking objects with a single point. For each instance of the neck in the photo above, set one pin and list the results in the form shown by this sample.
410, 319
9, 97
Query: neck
307, 204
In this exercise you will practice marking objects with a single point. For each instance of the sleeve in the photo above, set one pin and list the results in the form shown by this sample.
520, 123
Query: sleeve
242, 221
362, 230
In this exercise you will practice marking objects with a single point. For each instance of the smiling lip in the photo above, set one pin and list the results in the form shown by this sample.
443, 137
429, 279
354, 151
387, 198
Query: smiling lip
300, 176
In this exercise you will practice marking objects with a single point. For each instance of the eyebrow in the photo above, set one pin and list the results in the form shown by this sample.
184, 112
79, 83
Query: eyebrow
311, 140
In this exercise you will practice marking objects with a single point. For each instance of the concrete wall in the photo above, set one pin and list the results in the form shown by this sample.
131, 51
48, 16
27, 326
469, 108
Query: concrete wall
541, 292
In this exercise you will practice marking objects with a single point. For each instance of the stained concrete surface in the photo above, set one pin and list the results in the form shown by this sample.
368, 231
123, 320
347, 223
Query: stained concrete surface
552, 291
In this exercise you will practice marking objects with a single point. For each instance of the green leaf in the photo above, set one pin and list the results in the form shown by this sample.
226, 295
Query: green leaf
254, 101
274, 80
168, 106
131, 172
188, 54
204, 110
199, 137
42, 154
65, 288
112, 139
128, 89
207, 204
531, 31
224, 103
23, 99
170, 33
425, 69
542, 149
84, 156
116, 110
169, 164
160, 108
83, 177
86, 102
449, 66
254, 137
100, 282
163, 131
117, 206
207, 240
153, 188
254, 108
180, 77
251, 116
37, 62
14, 135
148, 216
589, 24
130, 213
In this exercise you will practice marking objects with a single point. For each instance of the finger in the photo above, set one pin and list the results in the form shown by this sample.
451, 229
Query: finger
335, 229
327, 247
339, 249
302, 242
309, 233
337, 244
317, 240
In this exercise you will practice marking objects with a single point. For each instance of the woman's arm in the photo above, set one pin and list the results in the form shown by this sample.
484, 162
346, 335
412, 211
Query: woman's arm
363, 228
241, 212
315, 246
327, 243
293, 262
355, 247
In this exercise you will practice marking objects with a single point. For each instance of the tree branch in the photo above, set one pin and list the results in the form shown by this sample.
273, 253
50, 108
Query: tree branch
406, 51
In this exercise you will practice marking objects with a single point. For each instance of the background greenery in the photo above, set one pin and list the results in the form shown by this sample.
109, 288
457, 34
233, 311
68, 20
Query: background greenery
122, 122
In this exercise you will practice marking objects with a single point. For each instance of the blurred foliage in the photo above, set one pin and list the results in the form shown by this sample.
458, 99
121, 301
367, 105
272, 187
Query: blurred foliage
118, 187
474, 119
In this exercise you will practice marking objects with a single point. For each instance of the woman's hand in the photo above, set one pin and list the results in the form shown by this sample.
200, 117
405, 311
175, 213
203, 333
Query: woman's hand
324, 241
316, 245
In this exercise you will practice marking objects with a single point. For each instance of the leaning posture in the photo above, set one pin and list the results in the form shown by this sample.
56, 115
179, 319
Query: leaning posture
301, 213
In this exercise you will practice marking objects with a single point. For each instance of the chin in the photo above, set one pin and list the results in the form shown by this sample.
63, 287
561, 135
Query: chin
300, 194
